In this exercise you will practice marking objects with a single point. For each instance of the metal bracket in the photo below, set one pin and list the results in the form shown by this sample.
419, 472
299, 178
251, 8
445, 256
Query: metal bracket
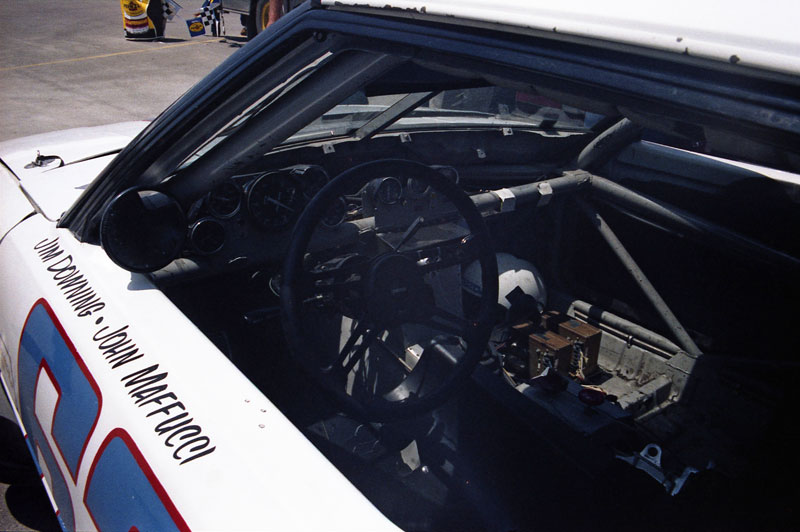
508, 200
545, 193
649, 461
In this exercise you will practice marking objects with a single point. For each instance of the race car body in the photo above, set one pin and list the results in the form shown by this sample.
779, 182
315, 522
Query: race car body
427, 266
115, 418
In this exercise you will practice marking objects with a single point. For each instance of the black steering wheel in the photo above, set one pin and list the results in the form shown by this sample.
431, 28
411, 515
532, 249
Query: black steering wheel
375, 308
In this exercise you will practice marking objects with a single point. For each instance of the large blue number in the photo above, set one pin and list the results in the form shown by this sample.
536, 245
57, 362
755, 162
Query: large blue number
46, 352
147, 506
122, 493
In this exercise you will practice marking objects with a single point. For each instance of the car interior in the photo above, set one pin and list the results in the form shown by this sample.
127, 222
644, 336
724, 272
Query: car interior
494, 300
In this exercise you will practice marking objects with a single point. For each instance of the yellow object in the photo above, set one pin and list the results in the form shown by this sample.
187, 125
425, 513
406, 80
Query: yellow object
135, 21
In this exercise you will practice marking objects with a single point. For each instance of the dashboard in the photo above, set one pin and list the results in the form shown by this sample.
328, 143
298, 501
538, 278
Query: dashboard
248, 218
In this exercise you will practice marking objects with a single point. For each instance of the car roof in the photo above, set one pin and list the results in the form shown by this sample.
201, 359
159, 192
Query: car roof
760, 35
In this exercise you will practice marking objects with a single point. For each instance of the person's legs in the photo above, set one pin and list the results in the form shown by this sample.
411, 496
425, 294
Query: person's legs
155, 11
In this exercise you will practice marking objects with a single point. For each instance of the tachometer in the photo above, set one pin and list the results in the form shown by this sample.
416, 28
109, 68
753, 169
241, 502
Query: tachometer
274, 200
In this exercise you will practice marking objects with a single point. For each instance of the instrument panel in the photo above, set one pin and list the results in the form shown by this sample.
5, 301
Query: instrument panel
250, 215
265, 203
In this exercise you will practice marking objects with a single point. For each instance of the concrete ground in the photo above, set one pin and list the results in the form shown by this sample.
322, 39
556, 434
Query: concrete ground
67, 64
63, 65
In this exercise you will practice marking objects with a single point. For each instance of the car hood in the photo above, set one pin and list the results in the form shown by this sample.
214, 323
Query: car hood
84, 151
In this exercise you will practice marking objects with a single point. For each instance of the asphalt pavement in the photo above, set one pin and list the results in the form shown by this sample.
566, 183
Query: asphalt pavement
67, 64
64, 65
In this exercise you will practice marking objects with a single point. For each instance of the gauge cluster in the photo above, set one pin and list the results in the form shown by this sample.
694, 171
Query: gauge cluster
261, 205
398, 201
251, 215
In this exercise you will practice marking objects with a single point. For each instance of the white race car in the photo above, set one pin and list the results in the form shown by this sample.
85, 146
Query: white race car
428, 266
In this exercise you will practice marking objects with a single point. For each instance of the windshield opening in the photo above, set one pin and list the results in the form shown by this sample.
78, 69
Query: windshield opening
353, 100
483, 106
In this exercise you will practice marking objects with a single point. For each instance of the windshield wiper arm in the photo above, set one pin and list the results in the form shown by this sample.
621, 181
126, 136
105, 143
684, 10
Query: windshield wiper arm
398, 110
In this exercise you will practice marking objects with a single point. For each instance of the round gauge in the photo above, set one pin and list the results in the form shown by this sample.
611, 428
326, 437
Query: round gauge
224, 200
449, 172
207, 236
417, 187
335, 213
313, 179
274, 200
389, 191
